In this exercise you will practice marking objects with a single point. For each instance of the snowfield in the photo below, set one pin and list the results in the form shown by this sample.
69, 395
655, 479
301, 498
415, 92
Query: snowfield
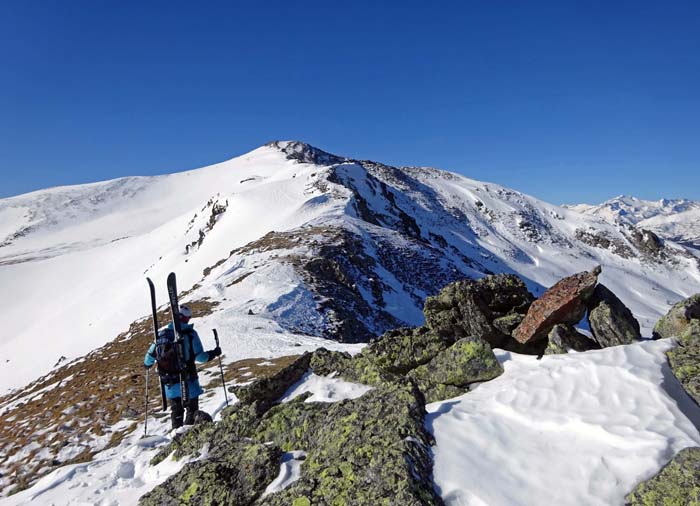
575, 429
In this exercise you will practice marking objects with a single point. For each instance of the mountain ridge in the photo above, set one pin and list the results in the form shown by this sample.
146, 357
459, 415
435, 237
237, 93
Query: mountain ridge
393, 236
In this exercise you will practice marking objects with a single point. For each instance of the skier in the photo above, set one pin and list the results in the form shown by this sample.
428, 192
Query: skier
162, 352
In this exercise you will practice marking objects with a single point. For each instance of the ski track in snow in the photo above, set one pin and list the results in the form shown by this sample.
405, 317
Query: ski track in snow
572, 430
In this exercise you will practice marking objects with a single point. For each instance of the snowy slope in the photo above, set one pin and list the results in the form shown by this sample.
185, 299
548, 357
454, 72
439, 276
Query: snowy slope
316, 243
297, 246
675, 219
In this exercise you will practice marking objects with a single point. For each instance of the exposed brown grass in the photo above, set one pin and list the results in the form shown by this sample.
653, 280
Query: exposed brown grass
84, 399
74, 407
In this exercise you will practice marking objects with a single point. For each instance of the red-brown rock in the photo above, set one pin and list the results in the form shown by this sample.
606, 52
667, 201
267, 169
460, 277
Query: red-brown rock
564, 303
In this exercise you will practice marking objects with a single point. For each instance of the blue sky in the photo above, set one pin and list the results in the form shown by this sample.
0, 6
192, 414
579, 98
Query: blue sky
568, 101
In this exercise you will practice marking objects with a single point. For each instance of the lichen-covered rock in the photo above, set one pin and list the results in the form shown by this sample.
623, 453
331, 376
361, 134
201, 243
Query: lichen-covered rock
398, 351
691, 335
678, 318
366, 451
271, 388
231, 474
565, 302
237, 422
508, 323
470, 308
685, 364
677, 484
325, 362
685, 359
361, 368
611, 322
563, 338
467, 361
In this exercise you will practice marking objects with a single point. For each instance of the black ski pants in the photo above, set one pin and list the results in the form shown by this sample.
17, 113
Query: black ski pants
177, 410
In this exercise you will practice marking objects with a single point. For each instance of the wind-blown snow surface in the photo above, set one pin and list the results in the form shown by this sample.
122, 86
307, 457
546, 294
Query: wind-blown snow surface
575, 429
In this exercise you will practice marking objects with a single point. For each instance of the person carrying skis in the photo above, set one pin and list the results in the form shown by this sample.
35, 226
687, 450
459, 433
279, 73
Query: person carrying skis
162, 352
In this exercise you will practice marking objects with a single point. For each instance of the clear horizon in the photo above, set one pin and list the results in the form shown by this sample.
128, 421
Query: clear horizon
573, 103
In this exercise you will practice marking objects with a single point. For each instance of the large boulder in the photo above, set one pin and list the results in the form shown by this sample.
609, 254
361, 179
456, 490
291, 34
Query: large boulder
565, 302
398, 351
611, 322
677, 484
677, 319
447, 375
563, 338
489, 308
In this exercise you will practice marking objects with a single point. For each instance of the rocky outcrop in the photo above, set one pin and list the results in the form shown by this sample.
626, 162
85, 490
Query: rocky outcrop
270, 388
398, 351
675, 322
441, 370
685, 359
677, 484
451, 371
563, 338
488, 308
370, 450
611, 322
565, 302
234, 472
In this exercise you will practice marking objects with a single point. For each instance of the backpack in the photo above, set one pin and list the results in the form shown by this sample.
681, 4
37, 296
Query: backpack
166, 357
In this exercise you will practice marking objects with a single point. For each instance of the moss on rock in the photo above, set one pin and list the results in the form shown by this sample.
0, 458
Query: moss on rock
677, 484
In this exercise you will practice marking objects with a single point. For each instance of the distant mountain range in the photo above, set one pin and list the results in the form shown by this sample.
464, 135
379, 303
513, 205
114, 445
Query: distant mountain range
675, 219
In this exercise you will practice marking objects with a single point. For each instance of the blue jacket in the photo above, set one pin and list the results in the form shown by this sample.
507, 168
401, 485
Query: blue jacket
201, 356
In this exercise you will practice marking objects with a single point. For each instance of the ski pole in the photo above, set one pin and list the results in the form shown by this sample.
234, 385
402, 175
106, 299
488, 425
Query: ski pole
145, 426
221, 367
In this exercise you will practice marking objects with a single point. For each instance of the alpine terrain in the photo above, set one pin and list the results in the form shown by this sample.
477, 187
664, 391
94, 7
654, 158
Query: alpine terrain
674, 219
390, 335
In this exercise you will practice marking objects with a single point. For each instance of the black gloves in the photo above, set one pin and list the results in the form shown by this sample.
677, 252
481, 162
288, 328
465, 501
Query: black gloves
214, 353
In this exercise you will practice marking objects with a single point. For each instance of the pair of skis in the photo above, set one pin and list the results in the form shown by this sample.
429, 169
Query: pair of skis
177, 328
179, 345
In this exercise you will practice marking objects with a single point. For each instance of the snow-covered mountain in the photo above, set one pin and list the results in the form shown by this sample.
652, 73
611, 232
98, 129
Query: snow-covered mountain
314, 243
674, 219
285, 249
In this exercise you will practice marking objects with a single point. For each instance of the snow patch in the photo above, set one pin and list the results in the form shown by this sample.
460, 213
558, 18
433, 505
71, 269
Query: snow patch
576, 429
325, 389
